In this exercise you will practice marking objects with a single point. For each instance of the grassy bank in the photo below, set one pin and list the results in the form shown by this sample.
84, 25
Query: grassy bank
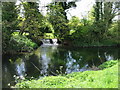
105, 78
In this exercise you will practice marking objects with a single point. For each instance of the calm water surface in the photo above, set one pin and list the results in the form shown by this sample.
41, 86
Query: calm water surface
53, 60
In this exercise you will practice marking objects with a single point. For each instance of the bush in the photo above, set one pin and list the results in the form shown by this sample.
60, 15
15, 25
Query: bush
108, 64
22, 43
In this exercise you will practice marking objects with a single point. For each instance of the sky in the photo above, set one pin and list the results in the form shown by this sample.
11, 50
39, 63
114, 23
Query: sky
83, 6
82, 9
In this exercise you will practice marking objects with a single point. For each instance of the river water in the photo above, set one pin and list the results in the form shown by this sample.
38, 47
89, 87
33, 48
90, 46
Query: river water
53, 60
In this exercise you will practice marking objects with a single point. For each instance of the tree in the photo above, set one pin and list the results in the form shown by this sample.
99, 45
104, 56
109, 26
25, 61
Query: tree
66, 6
74, 25
80, 29
9, 23
104, 12
58, 18
31, 18
33, 21
114, 32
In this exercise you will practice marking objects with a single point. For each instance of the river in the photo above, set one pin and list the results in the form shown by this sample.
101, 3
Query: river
53, 60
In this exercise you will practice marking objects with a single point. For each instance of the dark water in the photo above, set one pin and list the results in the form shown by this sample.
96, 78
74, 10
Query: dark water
54, 60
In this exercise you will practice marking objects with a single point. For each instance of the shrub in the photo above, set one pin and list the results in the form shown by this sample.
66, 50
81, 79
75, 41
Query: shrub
108, 64
22, 43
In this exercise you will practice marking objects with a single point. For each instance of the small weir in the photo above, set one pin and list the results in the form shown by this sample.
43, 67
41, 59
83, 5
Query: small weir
49, 41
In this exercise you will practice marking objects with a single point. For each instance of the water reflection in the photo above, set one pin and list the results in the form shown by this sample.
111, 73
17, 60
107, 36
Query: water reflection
108, 57
20, 67
46, 60
71, 65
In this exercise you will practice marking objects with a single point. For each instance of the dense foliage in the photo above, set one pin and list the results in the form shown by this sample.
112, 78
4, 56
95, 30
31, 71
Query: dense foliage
107, 78
9, 23
99, 28
22, 43
58, 21
33, 22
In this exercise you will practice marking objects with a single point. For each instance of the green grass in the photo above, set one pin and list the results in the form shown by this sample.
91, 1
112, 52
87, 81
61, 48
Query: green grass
106, 78
108, 64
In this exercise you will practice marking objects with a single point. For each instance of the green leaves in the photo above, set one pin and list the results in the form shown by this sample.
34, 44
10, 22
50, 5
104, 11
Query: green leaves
108, 64
57, 17
9, 23
22, 43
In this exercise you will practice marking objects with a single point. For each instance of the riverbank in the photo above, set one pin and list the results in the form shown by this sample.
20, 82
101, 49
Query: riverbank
94, 46
20, 44
107, 77
90, 45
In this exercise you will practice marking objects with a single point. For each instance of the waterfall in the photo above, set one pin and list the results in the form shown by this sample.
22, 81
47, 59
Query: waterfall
48, 42
55, 41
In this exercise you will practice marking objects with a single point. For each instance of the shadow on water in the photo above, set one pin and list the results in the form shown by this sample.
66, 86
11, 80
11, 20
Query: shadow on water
54, 60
